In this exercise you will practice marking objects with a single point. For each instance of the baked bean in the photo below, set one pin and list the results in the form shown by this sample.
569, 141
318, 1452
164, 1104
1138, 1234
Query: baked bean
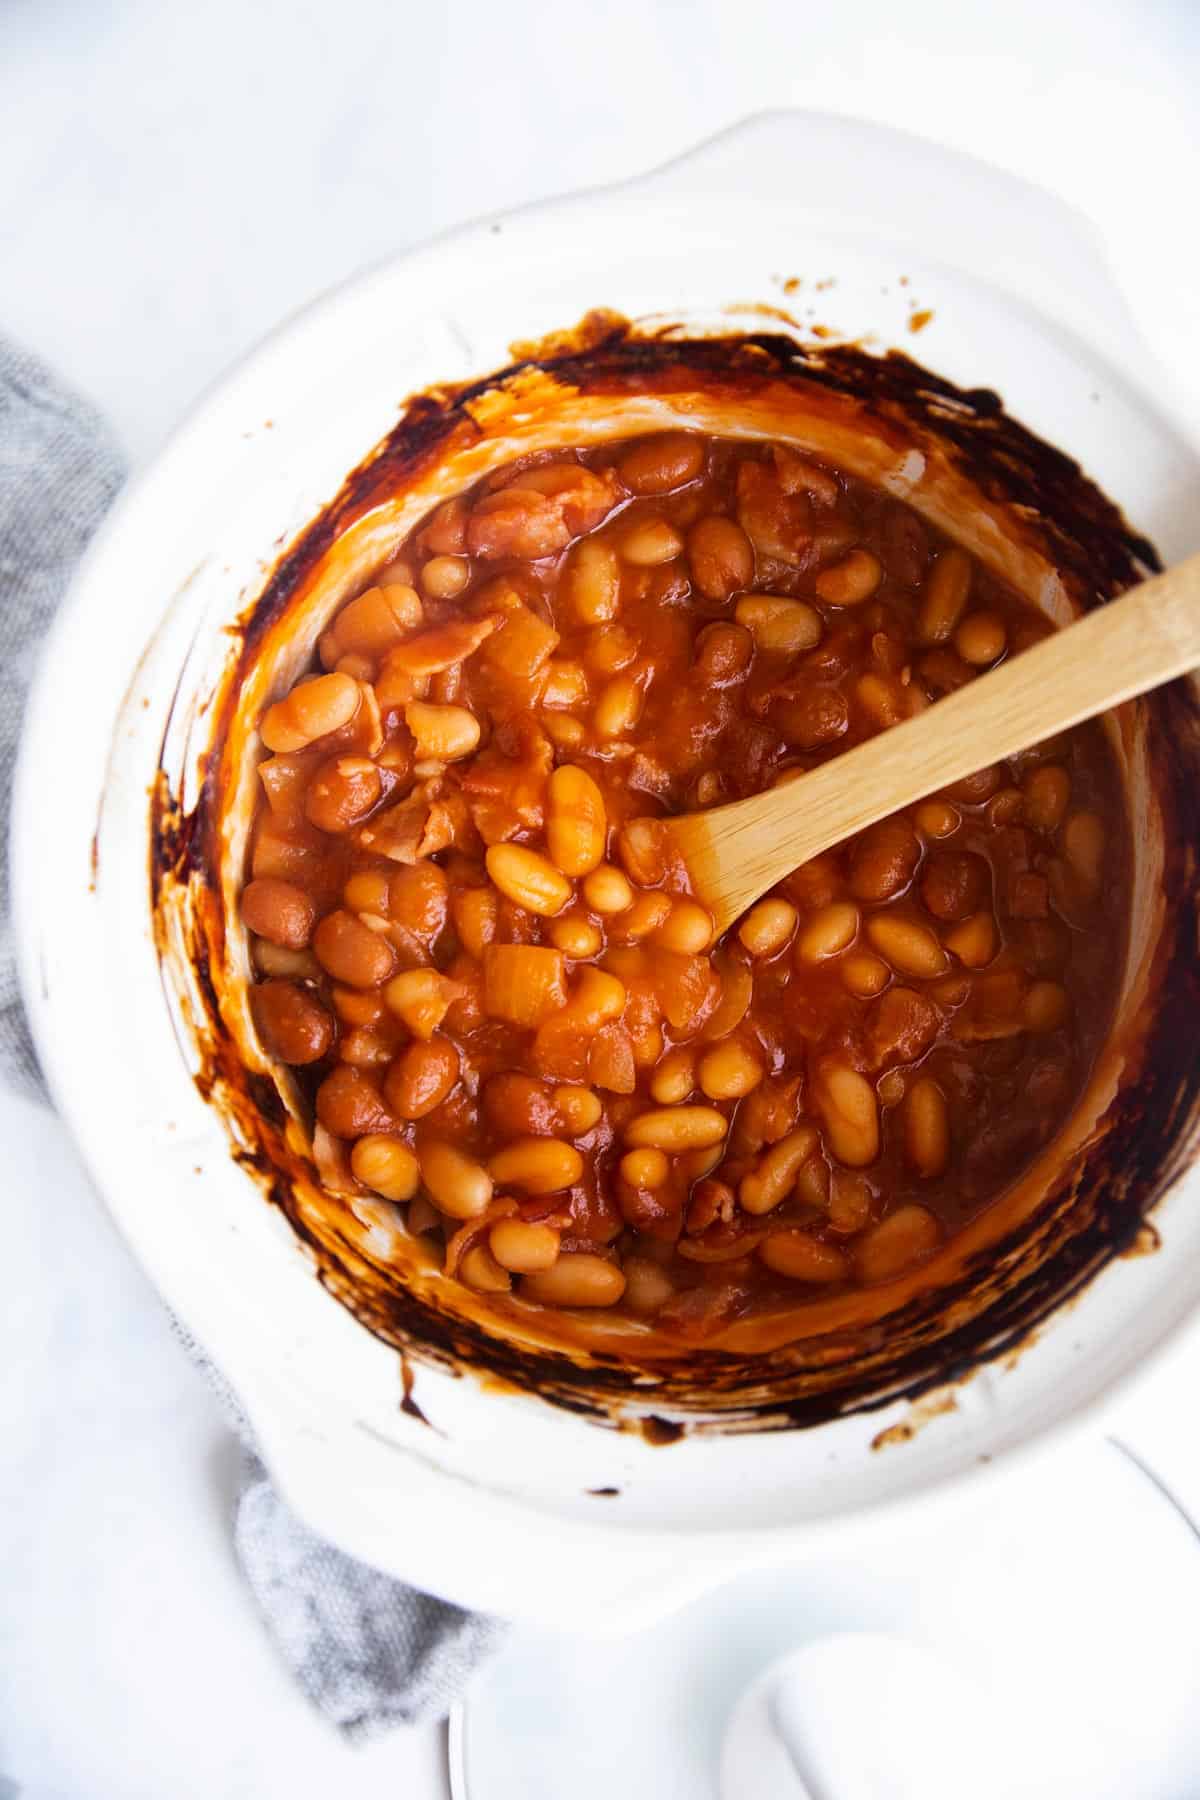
480, 1270
523, 1248
906, 1237
773, 1176
813, 1183
285, 852
641, 845
475, 912
779, 626
947, 590
884, 701
651, 542
351, 952
575, 935
537, 1165
911, 949
447, 733
675, 1077
296, 1026
372, 624
576, 821
279, 911
814, 718
354, 1006
528, 879
926, 1128
421, 1078
607, 890
729, 1070
850, 1202
592, 582
954, 884
649, 912
445, 576
1046, 1006
342, 793
576, 1280
386, 1165
565, 732
350, 1105
293, 965
656, 465
421, 998
645, 1168
446, 532
737, 991
618, 709
610, 648
457, 1184
1047, 792
513, 1102
688, 928
974, 941
846, 1102
973, 790
366, 1047
801, 1257
851, 581
723, 652
951, 990
698, 1165
579, 1109
767, 927
720, 557
647, 1286
599, 997
828, 933
937, 818
676, 1128
864, 974
311, 711
981, 638
1005, 808
884, 860
419, 899
368, 892
485, 940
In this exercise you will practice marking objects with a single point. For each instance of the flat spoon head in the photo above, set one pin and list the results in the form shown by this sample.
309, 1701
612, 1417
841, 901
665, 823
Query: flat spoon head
1148, 636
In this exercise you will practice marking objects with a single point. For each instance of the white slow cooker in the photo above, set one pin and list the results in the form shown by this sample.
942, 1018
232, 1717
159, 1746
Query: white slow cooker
492, 1496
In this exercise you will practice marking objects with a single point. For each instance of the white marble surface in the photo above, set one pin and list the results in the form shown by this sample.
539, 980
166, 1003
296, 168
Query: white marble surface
172, 180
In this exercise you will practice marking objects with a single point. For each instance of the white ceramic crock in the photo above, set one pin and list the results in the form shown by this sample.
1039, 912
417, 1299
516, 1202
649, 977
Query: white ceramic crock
494, 1502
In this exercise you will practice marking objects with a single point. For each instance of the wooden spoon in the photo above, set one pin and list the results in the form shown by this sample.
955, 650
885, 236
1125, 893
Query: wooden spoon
1148, 636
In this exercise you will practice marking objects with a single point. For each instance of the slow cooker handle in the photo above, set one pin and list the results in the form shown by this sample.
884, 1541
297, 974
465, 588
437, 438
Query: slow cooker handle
861, 179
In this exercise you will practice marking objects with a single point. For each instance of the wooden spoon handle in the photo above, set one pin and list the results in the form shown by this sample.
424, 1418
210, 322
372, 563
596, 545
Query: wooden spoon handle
1148, 636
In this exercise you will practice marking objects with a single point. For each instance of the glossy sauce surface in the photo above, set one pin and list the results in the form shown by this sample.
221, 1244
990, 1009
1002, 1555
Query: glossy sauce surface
505, 1006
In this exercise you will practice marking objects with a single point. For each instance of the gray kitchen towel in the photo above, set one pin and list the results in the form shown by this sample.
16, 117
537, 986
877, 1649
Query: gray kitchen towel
368, 1651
